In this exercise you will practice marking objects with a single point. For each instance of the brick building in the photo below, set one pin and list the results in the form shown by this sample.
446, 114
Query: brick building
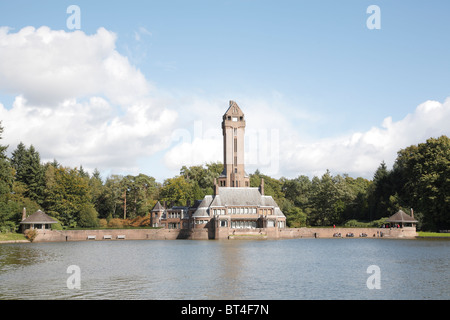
234, 205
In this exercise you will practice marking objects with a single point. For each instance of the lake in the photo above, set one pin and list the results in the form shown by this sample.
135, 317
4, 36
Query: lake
216, 269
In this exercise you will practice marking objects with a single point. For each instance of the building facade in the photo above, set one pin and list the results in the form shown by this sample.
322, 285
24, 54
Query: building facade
234, 207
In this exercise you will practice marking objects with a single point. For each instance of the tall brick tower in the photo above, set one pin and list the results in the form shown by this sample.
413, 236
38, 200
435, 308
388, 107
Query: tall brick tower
233, 129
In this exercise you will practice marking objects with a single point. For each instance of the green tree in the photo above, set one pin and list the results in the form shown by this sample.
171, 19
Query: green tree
141, 192
272, 187
7, 208
358, 206
27, 164
87, 216
176, 190
202, 178
6, 171
110, 201
425, 173
67, 196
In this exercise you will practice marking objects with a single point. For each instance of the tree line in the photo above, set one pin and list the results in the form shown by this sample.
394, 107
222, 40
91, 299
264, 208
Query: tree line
419, 179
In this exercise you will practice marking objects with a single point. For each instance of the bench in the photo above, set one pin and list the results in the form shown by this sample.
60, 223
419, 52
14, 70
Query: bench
122, 236
107, 237
91, 237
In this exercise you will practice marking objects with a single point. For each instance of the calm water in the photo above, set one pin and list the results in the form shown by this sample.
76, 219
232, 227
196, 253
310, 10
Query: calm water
187, 269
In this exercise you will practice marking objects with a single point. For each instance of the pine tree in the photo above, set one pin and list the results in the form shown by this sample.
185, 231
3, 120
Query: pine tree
27, 164
6, 171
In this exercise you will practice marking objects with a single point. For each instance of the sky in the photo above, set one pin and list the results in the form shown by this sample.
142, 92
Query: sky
131, 87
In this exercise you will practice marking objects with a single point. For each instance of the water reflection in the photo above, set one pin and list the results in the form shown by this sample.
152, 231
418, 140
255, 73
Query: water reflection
229, 260
186, 269
16, 256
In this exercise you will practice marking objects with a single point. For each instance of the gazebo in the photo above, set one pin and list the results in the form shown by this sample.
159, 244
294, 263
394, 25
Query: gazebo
402, 219
38, 220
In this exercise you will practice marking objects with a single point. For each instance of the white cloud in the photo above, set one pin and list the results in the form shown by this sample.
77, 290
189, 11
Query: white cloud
89, 133
360, 153
78, 100
277, 147
48, 66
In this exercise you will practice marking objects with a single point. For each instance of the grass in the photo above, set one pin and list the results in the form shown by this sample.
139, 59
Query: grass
11, 236
433, 234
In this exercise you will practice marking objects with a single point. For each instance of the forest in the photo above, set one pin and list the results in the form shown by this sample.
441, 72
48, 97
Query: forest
419, 179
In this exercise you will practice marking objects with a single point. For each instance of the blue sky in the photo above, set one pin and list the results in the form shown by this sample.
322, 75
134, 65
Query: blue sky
331, 81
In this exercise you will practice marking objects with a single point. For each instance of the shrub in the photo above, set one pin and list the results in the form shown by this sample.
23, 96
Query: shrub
103, 223
140, 221
115, 223
31, 234
8, 226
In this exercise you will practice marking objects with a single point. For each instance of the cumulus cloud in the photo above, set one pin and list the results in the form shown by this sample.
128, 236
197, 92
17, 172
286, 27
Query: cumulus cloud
48, 66
360, 153
78, 100
89, 133
276, 146
200, 139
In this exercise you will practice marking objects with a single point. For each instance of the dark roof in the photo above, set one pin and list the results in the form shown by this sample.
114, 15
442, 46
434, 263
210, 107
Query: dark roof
401, 216
157, 207
229, 197
38, 217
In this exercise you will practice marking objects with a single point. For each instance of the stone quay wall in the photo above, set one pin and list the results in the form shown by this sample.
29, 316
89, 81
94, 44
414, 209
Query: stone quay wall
107, 235
205, 234
293, 233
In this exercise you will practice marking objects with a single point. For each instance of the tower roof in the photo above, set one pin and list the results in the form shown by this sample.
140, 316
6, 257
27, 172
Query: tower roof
234, 110
157, 207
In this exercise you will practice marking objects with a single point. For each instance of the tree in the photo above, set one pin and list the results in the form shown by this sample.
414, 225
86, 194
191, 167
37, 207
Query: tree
87, 216
297, 190
272, 187
111, 199
6, 171
177, 191
203, 177
425, 173
67, 197
141, 191
27, 164
358, 207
